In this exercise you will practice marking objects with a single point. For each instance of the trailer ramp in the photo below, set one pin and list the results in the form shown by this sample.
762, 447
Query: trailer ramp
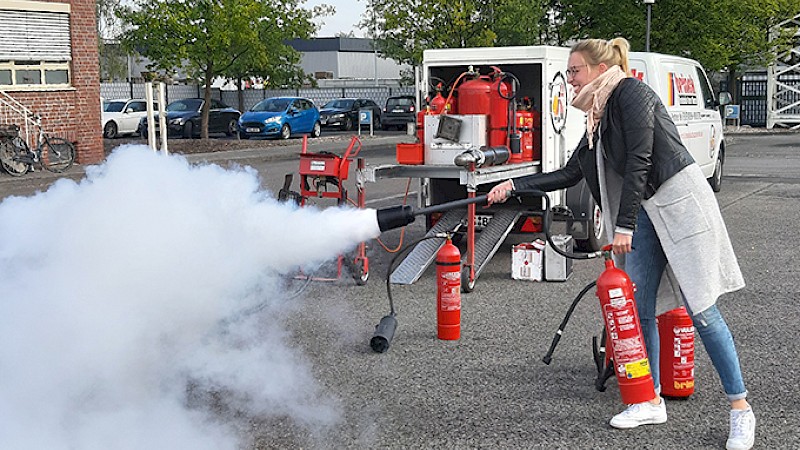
491, 237
413, 265
486, 245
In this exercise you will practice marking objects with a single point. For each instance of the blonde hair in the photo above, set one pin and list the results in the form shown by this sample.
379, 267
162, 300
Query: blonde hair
612, 53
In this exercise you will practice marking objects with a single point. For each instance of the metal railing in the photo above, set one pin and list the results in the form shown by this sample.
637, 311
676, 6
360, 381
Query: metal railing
14, 112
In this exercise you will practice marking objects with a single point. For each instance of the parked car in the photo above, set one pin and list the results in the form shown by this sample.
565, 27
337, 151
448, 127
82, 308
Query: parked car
280, 117
121, 116
343, 113
184, 118
399, 111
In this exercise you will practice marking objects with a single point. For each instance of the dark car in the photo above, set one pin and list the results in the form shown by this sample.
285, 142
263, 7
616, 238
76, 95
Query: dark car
399, 111
280, 117
343, 113
184, 118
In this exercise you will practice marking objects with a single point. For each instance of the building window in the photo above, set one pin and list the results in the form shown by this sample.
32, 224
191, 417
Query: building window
35, 45
34, 73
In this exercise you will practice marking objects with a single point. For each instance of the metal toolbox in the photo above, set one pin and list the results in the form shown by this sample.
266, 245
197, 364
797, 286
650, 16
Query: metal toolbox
442, 151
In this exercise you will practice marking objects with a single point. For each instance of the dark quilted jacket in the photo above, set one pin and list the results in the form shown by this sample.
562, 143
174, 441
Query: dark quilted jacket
641, 143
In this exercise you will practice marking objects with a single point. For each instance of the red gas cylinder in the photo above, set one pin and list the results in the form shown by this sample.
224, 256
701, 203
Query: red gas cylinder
536, 135
440, 104
485, 95
625, 339
421, 124
448, 292
676, 333
525, 128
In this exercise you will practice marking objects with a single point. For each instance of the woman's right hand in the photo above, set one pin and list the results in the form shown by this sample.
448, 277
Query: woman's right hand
500, 192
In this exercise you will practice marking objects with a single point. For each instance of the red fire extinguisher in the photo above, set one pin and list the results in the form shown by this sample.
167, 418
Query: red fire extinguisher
448, 292
676, 332
625, 339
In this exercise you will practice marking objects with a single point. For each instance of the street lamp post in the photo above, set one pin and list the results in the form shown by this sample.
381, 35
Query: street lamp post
649, 4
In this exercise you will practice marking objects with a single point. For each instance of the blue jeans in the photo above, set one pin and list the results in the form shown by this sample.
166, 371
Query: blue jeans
645, 265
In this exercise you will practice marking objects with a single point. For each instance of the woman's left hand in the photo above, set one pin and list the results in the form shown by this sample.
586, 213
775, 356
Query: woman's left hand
621, 244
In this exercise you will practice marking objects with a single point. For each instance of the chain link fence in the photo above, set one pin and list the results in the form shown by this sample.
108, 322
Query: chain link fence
319, 96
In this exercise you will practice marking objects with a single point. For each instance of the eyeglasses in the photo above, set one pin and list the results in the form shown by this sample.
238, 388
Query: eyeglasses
572, 71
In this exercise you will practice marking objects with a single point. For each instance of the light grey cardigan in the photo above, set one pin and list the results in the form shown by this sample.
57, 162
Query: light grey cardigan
688, 222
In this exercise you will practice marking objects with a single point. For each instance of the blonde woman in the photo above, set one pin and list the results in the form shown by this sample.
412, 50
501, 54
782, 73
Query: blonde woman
662, 217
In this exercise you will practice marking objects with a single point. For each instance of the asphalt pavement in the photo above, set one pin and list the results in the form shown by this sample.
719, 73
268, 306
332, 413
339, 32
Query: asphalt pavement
490, 389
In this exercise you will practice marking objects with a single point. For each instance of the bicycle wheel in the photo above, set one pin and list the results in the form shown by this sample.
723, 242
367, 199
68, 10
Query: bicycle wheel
58, 154
13, 156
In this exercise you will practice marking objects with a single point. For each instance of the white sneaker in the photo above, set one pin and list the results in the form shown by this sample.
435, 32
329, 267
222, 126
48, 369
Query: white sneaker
743, 430
640, 414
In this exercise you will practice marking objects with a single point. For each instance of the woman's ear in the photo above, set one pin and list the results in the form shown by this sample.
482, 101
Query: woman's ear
602, 67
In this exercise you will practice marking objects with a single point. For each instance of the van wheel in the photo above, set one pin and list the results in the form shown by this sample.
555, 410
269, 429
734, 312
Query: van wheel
716, 178
594, 241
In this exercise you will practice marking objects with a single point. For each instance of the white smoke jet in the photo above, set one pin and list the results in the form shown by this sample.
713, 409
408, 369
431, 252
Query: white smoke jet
122, 300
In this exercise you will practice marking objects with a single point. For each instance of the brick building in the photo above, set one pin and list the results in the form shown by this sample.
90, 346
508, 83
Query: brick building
49, 65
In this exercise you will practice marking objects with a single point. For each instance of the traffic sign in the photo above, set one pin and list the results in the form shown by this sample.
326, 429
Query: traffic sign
365, 116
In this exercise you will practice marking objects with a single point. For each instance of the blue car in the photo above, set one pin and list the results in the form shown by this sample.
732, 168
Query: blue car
280, 117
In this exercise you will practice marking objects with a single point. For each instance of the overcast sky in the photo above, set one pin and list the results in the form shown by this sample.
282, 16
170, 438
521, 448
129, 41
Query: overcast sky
348, 14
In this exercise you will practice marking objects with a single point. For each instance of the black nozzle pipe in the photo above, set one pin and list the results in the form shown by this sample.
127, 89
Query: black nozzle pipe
451, 205
400, 216
384, 333
395, 217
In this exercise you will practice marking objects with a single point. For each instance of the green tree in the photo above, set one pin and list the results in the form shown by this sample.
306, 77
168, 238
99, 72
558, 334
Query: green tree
113, 60
724, 34
214, 38
403, 29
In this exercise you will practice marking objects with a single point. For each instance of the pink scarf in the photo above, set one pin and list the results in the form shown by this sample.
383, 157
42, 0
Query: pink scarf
593, 97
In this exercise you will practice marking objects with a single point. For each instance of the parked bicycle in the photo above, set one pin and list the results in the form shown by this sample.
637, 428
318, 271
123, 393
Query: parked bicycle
54, 153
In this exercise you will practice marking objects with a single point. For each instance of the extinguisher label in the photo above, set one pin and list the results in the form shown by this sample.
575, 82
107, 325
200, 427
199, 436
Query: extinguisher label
637, 369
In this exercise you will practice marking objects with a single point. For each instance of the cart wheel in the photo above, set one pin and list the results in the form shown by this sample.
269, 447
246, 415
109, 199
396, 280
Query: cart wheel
466, 285
360, 275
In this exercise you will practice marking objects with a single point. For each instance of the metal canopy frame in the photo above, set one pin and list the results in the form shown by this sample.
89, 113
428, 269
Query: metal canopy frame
783, 81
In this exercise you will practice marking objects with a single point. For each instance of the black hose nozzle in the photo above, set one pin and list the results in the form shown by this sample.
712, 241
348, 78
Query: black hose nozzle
384, 332
395, 217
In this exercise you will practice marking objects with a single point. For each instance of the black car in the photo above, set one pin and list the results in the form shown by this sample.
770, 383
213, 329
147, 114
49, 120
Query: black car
343, 113
399, 111
184, 118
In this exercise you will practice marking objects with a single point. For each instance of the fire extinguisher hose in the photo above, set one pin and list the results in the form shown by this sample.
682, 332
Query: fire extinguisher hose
549, 356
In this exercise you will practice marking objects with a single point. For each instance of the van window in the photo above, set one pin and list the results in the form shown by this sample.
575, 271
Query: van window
708, 94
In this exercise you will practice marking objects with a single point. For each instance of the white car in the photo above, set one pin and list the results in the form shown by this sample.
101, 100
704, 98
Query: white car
121, 116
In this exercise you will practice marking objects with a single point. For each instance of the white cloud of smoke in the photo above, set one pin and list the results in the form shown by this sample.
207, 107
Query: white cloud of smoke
121, 304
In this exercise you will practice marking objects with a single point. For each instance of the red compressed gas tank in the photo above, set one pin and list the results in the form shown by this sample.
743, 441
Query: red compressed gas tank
525, 128
676, 333
482, 95
439, 104
421, 125
448, 292
536, 135
625, 339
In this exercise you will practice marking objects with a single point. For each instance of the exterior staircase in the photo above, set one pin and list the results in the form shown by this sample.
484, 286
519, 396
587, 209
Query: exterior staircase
14, 112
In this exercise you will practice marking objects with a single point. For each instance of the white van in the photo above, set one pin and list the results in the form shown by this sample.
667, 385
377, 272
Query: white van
685, 91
